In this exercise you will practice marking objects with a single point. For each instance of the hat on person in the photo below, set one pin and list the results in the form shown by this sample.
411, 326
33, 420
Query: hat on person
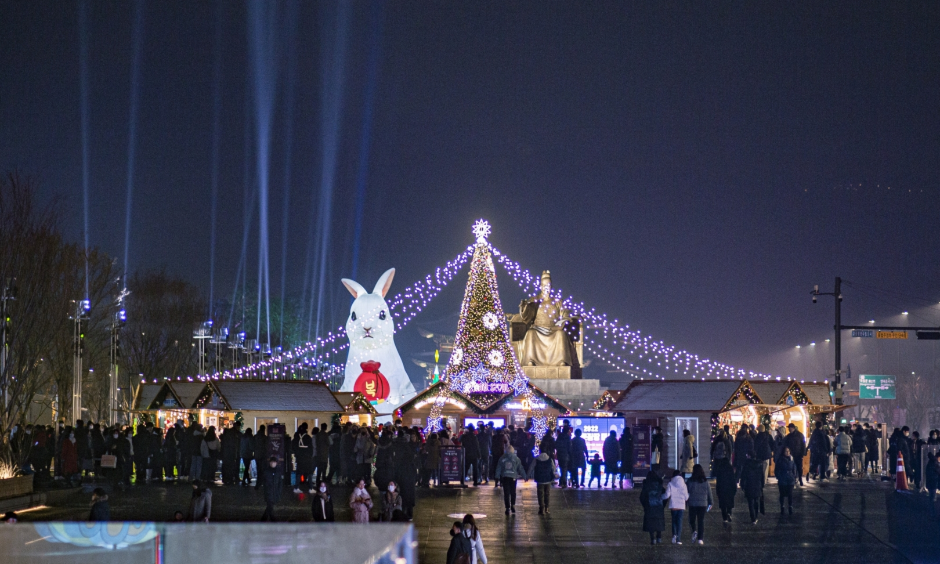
791, 426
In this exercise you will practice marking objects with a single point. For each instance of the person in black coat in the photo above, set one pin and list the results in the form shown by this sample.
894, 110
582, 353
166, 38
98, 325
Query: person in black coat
796, 442
743, 450
626, 456
322, 442
323, 504
763, 449
100, 509
654, 510
819, 449
271, 479
726, 486
305, 455
406, 471
752, 482
460, 544
471, 451
563, 450
231, 440
141, 442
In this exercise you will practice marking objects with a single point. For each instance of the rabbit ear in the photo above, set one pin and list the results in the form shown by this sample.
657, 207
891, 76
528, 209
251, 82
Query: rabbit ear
384, 283
354, 288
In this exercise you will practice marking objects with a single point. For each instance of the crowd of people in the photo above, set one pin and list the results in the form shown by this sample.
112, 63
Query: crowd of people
396, 460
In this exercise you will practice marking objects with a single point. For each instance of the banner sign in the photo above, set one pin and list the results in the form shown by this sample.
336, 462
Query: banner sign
642, 450
891, 334
451, 463
276, 437
876, 386
487, 388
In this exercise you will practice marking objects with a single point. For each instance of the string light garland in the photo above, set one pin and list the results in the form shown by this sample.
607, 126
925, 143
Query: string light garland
609, 339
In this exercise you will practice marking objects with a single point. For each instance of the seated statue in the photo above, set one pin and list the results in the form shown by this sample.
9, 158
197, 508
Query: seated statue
544, 320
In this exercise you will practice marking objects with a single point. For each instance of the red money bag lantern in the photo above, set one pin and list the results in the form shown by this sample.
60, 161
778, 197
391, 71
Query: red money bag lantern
371, 383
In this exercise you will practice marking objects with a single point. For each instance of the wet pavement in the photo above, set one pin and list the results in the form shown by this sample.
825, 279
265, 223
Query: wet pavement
858, 521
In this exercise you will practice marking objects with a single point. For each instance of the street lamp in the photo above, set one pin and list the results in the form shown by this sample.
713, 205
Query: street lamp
80, 315
8, 294
201, 333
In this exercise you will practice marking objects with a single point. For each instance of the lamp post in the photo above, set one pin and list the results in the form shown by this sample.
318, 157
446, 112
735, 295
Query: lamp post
80, 315
9, 293
201, 333
118, 320
219, 338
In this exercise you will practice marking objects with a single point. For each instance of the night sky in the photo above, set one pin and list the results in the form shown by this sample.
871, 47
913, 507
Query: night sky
690, 169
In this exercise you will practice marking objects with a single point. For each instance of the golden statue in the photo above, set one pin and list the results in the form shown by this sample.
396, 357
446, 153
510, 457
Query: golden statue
548, 329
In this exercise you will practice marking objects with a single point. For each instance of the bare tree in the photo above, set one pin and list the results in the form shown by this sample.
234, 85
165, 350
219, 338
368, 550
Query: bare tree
162, 312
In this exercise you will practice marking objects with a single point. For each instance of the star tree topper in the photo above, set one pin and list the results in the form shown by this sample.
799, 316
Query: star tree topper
482, 230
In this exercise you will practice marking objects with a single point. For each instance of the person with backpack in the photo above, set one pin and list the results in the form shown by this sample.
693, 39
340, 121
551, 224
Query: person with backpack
542, 470
508, 470
654, 511
700, 502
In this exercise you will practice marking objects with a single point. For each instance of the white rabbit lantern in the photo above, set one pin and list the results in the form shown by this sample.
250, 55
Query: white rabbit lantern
371, 332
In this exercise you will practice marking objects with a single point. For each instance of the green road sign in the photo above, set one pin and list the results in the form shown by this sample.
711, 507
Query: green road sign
876, 386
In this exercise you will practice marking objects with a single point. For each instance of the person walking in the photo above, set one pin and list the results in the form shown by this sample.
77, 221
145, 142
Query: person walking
200, 505
479, 555
764, 449
578, 460
657, 448
563, 451
322, 442
785, 471
305, 456
460, 550
700, 502
753, 486
542, 470
688, 454
432, 461
272, 482
654, 511
508, 470
726, 486
677, 493
323, 504
611, 451
932, 478
796, 442
406, 470
872, 440
360, 502
246, 452
859, 448
743, 450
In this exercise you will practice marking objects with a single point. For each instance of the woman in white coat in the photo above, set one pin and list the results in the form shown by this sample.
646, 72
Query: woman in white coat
476, 539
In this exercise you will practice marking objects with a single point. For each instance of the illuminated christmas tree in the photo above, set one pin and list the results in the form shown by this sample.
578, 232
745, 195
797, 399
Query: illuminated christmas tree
483, 362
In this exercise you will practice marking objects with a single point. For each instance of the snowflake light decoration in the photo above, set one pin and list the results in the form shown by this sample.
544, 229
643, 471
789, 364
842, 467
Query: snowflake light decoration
490, 321
481, 229
496, 358
457, 356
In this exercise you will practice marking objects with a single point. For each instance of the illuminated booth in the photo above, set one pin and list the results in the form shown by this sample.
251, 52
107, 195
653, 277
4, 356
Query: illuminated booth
219, 403
703, 407
358, 408
489, 402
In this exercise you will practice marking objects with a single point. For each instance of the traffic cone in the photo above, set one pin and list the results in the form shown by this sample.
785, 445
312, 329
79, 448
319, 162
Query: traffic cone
901, 476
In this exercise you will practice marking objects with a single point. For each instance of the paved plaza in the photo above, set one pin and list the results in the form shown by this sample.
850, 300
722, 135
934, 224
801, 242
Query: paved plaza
858, 521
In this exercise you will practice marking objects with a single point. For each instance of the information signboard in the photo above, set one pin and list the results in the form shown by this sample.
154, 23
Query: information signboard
872, 386
451, 463
642, 450
276, 436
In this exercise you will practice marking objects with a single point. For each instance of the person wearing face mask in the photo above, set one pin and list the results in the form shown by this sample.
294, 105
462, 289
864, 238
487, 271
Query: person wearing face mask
271, 479
323, 504
461, 546
391, 502
360, 502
